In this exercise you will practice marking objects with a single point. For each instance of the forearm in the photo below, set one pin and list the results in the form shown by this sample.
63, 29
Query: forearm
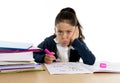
39, 58
84, 52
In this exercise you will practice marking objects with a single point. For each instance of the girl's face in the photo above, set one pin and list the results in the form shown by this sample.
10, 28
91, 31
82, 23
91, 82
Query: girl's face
64, 32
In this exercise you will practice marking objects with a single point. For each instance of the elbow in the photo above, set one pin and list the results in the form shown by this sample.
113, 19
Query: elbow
38, 58
90, 61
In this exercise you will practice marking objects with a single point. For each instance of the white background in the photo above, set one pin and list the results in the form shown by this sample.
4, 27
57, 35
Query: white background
33, 20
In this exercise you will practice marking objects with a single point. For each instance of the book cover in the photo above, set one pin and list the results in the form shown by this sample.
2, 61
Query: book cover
3, 63
25, 66
14, 45
38, 67
31, 49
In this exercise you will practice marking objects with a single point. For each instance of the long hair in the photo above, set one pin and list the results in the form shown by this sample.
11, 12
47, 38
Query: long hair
68, 15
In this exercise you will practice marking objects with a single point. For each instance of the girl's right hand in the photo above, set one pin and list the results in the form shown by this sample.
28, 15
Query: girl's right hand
49, 58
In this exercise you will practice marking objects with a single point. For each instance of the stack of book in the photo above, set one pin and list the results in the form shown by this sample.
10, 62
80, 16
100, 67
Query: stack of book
17, 57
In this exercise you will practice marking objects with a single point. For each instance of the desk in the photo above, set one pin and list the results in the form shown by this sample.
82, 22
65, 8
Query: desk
45, 77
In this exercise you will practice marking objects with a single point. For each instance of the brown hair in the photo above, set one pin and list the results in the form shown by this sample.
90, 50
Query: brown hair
68, 15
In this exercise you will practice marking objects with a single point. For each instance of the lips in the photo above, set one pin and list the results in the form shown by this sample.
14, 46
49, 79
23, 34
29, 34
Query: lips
65, 42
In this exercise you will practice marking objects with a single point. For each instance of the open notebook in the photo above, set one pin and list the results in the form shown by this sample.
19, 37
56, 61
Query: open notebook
80, 68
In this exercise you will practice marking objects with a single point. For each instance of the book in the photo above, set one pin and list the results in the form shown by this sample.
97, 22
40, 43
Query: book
31, 49
80, 68
19, 56
25, 66
21, 68
3, 63
14, 45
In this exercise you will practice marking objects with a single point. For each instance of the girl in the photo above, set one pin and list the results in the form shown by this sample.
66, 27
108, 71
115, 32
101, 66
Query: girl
67, 43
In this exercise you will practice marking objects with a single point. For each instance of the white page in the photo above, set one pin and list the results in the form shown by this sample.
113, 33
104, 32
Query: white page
66, 68
110, 67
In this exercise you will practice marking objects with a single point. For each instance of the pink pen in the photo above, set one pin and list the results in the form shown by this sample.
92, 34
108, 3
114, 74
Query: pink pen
51, 54
48, 52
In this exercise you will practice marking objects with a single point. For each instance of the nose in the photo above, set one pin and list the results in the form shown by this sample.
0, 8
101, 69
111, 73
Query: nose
64, 35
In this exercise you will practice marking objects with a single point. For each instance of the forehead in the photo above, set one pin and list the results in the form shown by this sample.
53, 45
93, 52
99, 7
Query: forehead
64, 26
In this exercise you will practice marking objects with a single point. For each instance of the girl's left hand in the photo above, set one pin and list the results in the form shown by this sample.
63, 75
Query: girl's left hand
75, 34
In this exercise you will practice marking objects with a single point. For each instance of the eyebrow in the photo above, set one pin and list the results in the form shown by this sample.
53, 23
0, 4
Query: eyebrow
65, 30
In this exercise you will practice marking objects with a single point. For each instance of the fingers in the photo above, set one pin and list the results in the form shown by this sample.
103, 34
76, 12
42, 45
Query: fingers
49, 59
75, 34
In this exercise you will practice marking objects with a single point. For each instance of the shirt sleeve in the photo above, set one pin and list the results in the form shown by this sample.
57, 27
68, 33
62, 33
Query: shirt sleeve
82, 49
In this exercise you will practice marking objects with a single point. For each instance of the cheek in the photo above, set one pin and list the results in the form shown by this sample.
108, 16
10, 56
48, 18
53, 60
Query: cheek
70, 35
58, 38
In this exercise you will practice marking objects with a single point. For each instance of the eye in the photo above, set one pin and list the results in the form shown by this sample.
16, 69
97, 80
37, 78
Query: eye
68, 32
60, 32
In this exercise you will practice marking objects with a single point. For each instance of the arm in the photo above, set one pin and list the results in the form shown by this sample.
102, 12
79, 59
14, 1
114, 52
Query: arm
41, 57
83, 51
38, 57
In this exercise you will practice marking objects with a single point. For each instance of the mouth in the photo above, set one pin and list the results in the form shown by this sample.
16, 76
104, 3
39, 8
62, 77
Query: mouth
65, 43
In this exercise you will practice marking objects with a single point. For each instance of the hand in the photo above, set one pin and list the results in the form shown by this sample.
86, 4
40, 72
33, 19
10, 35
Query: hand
49, 58
75, 34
